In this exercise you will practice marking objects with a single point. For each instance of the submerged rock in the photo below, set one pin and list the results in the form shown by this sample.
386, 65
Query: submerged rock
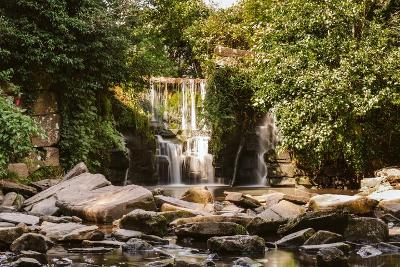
237, 244
315, 248
366, 230
90, 250
162, 263
103, 243
323, 237
295, 239
30, 241
71, 231
368, 252
41, 257
136, 244
148, 222
199, 194
204, 230
26, 262
245, 262
354, 204
331, 257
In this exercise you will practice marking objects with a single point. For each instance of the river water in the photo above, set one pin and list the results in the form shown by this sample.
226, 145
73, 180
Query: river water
196, 252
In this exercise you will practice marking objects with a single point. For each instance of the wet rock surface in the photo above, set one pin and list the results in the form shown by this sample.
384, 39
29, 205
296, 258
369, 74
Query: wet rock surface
148, 222
331, 257
236, 244
204, 230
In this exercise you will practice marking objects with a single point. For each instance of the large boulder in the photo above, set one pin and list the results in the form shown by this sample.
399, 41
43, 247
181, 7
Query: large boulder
148, 222
76, 187
30, 241
323, 237
389, 201
201, 209
9, 186
366, 230
295, 239
354, 204
331, 257
326, 220
284, 210
9, 234
237, 244
107, 204
19, 218
241, 219
242, 200
13, 200
198, 195
70, 231
204, 230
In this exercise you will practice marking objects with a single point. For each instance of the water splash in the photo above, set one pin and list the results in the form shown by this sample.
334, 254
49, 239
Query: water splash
172, 152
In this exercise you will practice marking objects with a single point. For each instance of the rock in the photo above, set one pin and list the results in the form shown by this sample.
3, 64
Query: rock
162, 263
186, 263
34, 255
175, 215
77, 170
295, 239
20, 169
70, 231
148, 222
76, 187
104, 243
242, 200
389, 201
51, 156
46, 206
19, 218
135, 244
297, 199
366, 230
392, 174
200, 208
391, 207
331, 257
237, 244
243, 220
63, 219
30, 241
90, 250
370, 185
353, 204
368, 251
44, 184
6, 224
315, 248
271, 198
323, 237
204, 230
227, 207
168, 208
107, 204
245, 262
264, 227
199, 194
8, 186
62, 261
26, 262
45, 103
330, 221
124, 235
284, 210
50, 123
13, 199
9, 234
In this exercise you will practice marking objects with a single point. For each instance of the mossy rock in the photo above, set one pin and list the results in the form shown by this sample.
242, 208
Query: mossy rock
148, 222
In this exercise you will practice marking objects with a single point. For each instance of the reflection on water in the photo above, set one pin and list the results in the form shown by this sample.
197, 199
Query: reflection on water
272, 258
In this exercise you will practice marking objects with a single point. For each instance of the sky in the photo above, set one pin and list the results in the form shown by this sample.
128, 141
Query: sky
223, 3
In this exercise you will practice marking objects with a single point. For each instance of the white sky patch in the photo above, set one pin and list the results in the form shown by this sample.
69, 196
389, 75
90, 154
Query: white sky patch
222, 3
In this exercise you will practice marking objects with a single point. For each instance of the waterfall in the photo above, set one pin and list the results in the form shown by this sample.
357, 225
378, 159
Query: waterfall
188, 160
172, 152
267, 139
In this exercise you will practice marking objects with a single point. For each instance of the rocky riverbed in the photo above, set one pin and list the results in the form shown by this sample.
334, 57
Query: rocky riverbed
83, 220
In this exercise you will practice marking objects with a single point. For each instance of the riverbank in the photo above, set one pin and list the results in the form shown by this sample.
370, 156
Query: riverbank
84, 220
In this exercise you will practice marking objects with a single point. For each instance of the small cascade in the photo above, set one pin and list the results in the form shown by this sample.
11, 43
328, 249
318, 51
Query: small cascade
267, 139
176, 104
171, 153
128, 152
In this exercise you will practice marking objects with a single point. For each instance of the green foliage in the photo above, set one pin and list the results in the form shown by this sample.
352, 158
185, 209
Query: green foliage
228, 106
15, 133
44, 172
329, 70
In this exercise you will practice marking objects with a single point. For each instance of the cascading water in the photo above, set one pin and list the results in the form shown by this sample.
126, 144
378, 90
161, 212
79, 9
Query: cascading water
172, 153
180, 101
267, 139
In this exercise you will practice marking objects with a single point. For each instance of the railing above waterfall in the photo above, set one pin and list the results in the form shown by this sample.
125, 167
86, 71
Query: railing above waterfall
176, 106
